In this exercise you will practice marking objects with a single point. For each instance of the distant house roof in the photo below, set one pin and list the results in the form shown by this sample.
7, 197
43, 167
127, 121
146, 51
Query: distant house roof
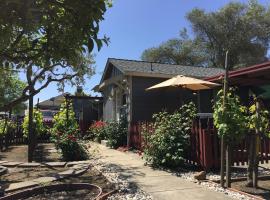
143, 68
53, 103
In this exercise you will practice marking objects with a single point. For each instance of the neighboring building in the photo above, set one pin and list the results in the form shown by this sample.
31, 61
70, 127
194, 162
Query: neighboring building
53, 103
87, 109
123, 85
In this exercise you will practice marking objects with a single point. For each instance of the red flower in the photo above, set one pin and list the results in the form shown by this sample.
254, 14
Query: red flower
72, 138
98, 124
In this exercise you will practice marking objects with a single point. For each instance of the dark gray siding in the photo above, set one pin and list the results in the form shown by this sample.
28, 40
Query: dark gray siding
146, 103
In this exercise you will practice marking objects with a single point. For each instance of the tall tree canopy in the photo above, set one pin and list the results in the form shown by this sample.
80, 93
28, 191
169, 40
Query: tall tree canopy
242, 29
181, 50
49, 40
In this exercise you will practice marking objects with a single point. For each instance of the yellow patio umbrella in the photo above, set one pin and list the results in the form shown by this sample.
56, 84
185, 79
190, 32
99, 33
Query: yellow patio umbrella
185, 82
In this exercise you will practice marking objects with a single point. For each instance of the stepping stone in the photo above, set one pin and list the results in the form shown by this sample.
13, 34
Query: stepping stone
69, 164
55, 164
11, 164
1, 162
20, 185
80, 166
3, 170
46, 179
29, 165
78, 172
69, 172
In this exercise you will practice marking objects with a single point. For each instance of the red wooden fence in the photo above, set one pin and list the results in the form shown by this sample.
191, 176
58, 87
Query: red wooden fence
204, 149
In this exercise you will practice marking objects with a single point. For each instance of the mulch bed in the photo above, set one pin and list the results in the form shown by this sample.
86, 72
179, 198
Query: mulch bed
44, 152
262, 191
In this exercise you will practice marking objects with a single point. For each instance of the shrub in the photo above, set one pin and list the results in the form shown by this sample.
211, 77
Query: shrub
97, 131
70, 147
116, 133
7, 125
169, 139
65, 135
38, 126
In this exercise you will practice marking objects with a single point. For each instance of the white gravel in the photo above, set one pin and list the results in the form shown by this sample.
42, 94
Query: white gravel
126, 189
213, 186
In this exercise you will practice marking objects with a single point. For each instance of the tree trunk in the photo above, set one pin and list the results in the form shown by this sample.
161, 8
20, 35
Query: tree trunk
250, 161
255, 162
30, 130
222, 161
228, 165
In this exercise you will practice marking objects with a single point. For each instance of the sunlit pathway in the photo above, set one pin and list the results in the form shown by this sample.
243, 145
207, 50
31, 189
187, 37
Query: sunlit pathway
160, 184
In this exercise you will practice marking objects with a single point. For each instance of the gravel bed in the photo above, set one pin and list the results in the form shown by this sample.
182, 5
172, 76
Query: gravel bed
211, 185
126, 190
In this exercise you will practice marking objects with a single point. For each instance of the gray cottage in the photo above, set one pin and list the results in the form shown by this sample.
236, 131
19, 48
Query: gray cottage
123, 85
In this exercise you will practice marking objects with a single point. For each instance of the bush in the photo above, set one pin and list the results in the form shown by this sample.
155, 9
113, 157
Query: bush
97, 131
116, 133
70, 147
169, 138
7, 125
38, 126
65, 135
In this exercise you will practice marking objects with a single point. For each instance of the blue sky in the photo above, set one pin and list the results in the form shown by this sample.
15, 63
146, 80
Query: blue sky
134, 25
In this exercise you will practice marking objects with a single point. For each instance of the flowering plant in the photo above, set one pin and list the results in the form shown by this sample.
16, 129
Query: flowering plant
66, 134
97, 131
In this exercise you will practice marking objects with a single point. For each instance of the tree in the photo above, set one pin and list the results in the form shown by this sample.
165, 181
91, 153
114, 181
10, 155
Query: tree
49, 40
258, 125
11, 88
183, 50
242, 29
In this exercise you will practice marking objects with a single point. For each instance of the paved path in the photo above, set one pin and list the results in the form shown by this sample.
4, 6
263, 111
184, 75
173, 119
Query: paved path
160, 184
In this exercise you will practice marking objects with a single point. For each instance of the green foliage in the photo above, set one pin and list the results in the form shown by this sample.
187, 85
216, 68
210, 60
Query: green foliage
38, 126
258, 119
7, 125
68, 141
231, 123
97, 131
51, 41
168, 140
116, 133
60, 121
65, 134
11, 88
182, 51
241, 28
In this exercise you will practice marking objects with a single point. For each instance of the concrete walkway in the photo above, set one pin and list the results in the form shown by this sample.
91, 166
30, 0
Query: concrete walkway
160, 184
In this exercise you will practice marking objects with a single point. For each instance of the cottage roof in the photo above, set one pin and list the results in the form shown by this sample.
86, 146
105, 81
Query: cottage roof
136, 67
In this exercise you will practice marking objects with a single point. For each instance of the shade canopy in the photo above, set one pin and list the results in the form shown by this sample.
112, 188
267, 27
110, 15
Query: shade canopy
185, 82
